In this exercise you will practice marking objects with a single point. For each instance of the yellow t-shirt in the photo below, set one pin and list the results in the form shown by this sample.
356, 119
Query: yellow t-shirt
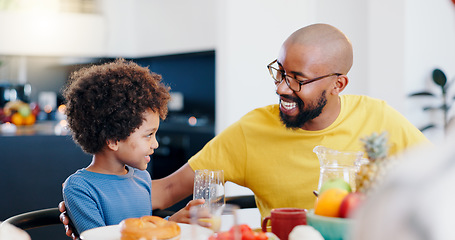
279, 165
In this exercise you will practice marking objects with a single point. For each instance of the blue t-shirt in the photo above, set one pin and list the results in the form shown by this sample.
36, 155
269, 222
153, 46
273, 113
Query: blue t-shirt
95, 199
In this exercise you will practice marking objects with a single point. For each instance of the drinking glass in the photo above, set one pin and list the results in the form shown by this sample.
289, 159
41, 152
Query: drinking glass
209, 185
218, 219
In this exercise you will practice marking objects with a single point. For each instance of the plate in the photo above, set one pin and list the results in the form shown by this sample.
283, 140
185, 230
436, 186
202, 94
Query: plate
113, 232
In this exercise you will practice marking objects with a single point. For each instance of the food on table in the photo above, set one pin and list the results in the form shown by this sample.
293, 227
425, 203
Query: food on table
19, 113
328, 203
245, 232
371, 173
24, 110
305, 232
335, 183
13, 106
350, 203
149, 228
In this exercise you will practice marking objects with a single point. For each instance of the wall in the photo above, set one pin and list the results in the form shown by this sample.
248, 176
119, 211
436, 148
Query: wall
430, 43
397, 43
249, 37
139, 28
51, 34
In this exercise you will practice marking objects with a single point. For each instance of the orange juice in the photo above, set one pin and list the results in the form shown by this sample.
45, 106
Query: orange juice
215, 222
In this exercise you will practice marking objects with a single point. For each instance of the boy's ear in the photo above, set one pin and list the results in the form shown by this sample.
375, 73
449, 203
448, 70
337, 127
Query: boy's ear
113, 145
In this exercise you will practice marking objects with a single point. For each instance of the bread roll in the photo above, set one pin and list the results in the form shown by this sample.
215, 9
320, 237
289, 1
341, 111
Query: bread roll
149, 228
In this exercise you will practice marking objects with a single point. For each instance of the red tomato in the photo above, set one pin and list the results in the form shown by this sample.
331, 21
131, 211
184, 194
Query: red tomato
244, 230
224, 236
248, 235
261, 236
245, 227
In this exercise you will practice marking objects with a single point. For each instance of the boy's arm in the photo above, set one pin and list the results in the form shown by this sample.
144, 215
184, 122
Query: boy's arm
165, 193
83, 209
173, 188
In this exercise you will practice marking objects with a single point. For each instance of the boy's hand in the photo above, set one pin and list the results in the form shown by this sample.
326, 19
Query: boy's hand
183, 215
66, 221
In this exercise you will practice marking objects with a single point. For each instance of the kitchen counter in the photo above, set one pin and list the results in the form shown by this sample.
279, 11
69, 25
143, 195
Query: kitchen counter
33, 170
39, 128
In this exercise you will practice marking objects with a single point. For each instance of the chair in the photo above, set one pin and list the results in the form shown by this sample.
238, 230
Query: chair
246, 201
162, 213
35, 219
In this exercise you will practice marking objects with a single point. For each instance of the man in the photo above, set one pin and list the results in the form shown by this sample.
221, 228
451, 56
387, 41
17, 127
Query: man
270, 149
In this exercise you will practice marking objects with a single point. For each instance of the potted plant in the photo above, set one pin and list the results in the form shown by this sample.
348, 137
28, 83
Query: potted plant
446, 101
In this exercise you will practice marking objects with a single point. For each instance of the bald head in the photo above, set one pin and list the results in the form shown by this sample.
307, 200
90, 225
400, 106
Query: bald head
333, 46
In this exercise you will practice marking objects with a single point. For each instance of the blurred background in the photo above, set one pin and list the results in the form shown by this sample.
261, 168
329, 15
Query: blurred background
213, 54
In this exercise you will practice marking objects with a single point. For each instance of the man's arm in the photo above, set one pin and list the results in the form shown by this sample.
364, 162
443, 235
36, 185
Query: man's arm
173, 188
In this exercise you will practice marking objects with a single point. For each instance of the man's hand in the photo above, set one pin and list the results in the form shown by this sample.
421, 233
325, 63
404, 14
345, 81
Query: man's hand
183, 215
64, 218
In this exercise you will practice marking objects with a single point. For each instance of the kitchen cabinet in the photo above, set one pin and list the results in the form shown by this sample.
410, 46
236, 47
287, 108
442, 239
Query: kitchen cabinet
33, 169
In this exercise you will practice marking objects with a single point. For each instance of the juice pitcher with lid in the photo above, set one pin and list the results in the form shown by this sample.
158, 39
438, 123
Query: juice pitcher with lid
338, 164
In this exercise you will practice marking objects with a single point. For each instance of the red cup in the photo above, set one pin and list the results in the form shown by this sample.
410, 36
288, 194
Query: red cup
283, 220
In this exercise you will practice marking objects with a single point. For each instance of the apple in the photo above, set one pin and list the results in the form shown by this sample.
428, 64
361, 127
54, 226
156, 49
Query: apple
2, 115
335, 183
24, 110
350, 203
35, 108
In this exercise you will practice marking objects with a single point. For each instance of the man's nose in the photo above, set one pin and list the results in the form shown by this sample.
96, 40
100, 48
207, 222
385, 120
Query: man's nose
282, 88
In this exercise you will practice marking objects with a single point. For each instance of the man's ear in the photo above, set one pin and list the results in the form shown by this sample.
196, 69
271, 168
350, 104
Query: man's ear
113, 145
340, 84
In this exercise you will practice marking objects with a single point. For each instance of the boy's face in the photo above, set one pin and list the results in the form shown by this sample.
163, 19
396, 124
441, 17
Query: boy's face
135, 151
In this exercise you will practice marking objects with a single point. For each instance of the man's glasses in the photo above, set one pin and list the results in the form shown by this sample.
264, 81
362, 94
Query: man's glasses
294, 84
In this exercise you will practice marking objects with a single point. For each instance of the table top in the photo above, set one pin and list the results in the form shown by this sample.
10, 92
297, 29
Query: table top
113, 232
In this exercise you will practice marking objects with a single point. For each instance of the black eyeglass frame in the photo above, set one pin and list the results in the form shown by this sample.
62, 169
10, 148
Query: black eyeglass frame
285, 77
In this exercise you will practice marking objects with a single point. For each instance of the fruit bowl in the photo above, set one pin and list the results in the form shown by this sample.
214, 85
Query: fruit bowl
331, 228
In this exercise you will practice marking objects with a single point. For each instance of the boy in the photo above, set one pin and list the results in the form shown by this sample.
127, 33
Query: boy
113, 112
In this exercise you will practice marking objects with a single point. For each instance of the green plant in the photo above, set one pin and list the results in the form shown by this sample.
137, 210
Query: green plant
440, 79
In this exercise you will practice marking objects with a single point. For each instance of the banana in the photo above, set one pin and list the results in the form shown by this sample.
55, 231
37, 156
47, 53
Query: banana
13, 106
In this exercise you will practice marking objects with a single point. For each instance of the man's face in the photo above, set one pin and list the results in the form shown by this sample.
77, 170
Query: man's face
301, 63
304, 113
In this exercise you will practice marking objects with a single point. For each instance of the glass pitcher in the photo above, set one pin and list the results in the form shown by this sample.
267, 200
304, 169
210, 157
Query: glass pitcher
338, 164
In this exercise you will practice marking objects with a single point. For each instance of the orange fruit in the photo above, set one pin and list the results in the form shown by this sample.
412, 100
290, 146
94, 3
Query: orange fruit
328, 203
29, 120
17, 119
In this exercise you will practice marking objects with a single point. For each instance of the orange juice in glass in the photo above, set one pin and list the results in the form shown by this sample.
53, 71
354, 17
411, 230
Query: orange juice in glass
215, 222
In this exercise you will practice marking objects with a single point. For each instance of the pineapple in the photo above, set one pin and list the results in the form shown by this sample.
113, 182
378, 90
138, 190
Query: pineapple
371, 173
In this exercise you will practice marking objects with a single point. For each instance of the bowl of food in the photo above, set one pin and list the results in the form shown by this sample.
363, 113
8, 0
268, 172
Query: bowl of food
331, 228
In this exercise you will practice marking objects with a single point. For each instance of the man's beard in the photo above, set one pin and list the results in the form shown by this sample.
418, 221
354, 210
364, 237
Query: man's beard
304, 115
